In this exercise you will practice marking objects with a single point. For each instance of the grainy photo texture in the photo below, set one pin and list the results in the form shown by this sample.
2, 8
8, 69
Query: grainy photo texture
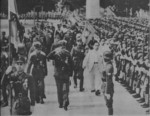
75, 57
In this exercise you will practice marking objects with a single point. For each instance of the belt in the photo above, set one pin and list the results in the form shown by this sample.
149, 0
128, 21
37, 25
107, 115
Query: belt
95, 62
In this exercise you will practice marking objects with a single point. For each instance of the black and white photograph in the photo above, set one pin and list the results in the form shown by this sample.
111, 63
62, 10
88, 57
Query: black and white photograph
74, 57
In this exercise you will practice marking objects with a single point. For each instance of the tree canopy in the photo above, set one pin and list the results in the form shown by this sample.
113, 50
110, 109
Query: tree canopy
28, 5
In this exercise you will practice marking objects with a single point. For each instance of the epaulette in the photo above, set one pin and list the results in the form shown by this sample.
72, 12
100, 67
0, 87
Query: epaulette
33, 53
43, 53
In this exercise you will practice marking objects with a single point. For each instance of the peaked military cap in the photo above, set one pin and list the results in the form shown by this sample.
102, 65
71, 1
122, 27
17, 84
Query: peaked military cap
20, 59
108, 55
37, 45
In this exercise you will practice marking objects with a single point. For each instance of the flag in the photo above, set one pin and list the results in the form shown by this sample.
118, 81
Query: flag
90, 28
72, 19
13, 22
92, 9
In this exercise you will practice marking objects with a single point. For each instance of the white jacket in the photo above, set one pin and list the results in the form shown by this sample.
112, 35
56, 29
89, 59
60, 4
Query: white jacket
88, 61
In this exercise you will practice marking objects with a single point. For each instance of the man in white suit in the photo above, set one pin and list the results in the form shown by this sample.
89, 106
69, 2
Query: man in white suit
93, 62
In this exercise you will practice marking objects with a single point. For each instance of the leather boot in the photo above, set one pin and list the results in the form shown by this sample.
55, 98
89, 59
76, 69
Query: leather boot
110, 111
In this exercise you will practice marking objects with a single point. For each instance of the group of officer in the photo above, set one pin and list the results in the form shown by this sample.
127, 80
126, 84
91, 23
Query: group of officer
23, 69
117, 47
3, 16
41, 15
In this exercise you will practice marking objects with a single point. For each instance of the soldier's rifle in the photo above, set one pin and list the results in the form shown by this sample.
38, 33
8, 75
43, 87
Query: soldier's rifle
9, 60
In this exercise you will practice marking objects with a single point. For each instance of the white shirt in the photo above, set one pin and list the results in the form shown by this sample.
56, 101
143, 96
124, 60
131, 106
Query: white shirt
95, 56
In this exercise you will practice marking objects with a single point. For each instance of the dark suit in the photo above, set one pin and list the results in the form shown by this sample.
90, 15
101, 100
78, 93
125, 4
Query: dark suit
22, 83
62, 73
39, 71
77, 54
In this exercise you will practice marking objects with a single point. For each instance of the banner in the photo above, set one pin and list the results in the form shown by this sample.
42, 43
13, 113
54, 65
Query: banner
13, 22
92, 9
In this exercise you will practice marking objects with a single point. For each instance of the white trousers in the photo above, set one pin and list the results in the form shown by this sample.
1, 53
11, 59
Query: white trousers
95, 78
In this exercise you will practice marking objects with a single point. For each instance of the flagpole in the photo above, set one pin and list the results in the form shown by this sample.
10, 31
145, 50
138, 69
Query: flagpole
9, 22
10, 63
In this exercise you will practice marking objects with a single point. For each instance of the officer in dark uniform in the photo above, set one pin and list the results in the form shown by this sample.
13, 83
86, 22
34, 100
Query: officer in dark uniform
62, 72
21, 83
4, 63
38, 59
4, 39
78, 54
108, 81
91, 43
21, 32
22, 51
53, 31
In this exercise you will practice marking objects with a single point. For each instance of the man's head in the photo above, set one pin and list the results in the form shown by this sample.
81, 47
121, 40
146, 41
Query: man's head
3, 33
62, 43
108, 56
57, 36
96, 45
102, 42
78, 39
58, 26
20, 64
37, 46
21, 48
79, 42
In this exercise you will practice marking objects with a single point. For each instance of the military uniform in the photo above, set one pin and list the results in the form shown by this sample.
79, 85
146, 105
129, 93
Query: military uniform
28, 43
3, 66
70, 40
4, 40
21, 32
118, 66
21, 51
39, 71
3, 63
78, 54
21, 83
108, 81
62, 72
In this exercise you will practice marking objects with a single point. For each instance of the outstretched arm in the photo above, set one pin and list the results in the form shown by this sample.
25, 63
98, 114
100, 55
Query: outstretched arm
51, 55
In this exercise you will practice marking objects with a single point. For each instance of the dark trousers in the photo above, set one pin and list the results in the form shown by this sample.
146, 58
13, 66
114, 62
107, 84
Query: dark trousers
4, 85
39, 87
109, 103
21, 36
117, 74
80, 76
62, 91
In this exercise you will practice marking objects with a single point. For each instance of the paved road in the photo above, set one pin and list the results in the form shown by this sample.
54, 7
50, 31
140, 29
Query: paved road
83, 103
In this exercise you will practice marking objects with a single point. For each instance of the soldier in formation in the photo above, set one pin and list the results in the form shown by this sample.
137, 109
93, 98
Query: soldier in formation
78, 53
21, 82
108, 86
38, 59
